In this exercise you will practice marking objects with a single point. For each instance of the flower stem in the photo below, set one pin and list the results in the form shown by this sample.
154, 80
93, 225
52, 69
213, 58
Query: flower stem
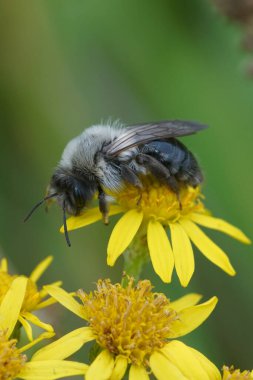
136, 256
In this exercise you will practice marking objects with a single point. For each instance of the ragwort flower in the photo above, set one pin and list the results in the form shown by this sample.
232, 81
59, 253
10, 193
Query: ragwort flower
229, 373
34, 299
47, 363
137, 328
151, 212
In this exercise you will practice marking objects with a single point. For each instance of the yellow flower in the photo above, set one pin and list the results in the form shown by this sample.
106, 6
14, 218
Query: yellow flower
34, 298
47, 363
136, 327
236, 374
150, 212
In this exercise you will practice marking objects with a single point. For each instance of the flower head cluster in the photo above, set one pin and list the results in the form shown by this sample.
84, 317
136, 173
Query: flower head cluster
136, 327
11, 360
47, 363
118, 309
229, 373
34, 299
152, 212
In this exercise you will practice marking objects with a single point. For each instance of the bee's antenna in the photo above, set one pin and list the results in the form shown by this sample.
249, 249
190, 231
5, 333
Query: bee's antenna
65, 224
39, 204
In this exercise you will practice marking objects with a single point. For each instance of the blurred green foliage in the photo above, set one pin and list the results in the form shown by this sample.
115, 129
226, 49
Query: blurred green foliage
65, 65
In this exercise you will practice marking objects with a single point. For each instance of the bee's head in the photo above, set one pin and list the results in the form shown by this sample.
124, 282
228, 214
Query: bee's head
73, 192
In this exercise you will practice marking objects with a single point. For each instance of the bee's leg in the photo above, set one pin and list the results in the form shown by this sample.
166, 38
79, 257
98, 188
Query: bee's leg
173, 184
103, 205
129, 176
159, 171
156, 168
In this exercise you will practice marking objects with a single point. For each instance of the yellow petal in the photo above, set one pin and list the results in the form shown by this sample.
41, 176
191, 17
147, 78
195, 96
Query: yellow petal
122, 234
220, 225
27, 327
183, 254
45, 335
207, 365
163, 369
207, 247
43, 293
138, 372
51, 369
119, 369
40, 268
190, 299
160, 250
4, 265
101, 368
50, 301
192, 317
11, 305
65, 346
183, 358
36, 321
88, 217
65, 299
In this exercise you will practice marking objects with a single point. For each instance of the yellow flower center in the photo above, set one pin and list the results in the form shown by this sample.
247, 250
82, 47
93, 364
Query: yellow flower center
11, 361
157, 201
130, 321
236, 374
32, 296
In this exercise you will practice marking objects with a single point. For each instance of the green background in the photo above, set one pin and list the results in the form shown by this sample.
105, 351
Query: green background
68, 64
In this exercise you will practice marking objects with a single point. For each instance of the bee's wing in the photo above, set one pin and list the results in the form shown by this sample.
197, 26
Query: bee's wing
142, 133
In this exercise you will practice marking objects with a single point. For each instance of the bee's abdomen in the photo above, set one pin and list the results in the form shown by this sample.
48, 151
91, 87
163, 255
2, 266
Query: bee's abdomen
179, 161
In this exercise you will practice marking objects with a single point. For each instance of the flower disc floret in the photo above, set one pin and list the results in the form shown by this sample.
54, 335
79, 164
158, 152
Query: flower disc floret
229, 373
131, 321
157, 201
11, 360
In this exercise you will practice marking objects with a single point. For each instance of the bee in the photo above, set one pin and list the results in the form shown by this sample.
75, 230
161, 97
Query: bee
108, 157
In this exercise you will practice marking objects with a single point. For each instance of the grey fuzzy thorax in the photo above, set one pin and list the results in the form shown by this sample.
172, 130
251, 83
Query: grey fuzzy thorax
83, 155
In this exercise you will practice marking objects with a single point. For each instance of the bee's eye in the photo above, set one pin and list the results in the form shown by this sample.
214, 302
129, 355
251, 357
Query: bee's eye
79, 195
